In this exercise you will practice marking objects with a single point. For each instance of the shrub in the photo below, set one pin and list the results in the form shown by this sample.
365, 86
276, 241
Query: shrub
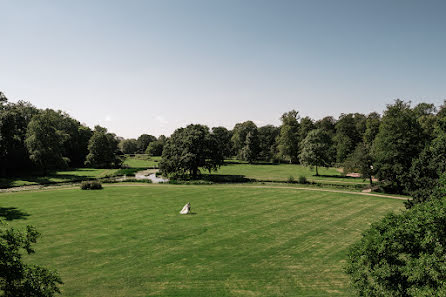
302, 180
91, 185
403, 254
291, 179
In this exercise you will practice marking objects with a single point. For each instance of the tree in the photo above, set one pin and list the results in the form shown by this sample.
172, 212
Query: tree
103, 150
317, 150
223, 139
349, 130
188, 149
267, 142
129, 146
360, 161
426, 170
143, 142
251, 148
305, 126
155, 148
18, 279
397, 143
288, 140
239, 134
14, 120
372, 128
45, 142
403, 254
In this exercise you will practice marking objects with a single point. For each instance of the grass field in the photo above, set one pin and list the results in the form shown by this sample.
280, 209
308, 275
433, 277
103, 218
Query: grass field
141, 161
281, 173
129, 240
57, 177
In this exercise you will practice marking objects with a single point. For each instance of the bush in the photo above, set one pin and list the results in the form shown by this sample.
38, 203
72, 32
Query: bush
403, 254
291, 179
91, 185
302, 180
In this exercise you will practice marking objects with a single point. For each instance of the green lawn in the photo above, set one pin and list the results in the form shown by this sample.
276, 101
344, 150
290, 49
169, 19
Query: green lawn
129, 240
57, 177
269, 172
141, 161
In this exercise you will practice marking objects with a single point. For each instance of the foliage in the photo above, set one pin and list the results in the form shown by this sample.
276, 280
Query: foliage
188, 149
302, 179
349, 130
155, 148
103, 150
18, 279
251, 149
317, 150
128, 146
143, 142
239, 134
91, 185
360, 161
223, 140
291, 180
288, 140
45, 142
403, 254
397, 143
426, 170
14, 120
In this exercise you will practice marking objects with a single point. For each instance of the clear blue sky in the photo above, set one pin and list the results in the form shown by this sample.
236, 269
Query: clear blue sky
152, 66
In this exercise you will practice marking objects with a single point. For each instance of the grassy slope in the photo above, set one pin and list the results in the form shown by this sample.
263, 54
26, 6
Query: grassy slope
283, 171
57, 176
141, 161
131, 241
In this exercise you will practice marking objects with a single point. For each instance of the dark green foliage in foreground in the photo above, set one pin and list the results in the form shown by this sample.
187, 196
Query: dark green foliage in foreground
18, 279
317, 150
188, 149
91, 185
103, 148
403, 254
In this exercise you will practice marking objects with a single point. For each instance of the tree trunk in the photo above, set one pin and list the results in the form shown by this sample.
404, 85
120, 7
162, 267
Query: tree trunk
371, 181
317, 173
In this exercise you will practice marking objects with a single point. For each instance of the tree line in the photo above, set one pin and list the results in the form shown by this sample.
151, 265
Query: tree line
404, 147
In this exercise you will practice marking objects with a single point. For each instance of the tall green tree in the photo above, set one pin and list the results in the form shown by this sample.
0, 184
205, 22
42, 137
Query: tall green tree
14, 120
317, 150
189, 149
103, 150
267, 142
288, 140
372, 128
143, 142
251, 149
18, 279
349, 130
360, 161
155, 148
426, 170
223, 139
45, 142
128, 146
239, 134
399, 141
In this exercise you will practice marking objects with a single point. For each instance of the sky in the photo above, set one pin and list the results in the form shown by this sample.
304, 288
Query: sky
153, 66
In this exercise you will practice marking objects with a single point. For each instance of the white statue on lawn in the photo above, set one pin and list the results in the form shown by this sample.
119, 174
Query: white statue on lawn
186, 209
